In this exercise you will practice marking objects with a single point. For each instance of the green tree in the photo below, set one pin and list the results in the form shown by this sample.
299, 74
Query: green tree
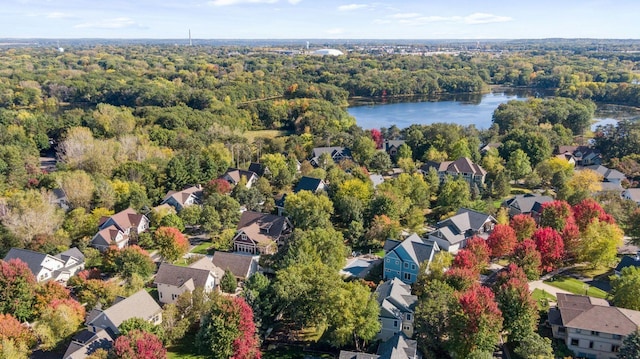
630, 348
518, 164
132, 260
60, 320
363, 150
228, 283
323, 244
17, 289
519, 310
599, 243
433, 314
533, 346
453, 194
356, 317
625, 290
307, 210
380, 162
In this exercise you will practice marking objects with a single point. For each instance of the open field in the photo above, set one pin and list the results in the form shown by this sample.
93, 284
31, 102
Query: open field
575, 286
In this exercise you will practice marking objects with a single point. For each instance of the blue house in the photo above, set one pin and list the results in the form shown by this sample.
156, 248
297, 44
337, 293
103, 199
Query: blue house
402, 259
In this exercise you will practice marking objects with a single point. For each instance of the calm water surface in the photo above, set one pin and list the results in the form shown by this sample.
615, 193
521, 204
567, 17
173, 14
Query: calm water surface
463, 110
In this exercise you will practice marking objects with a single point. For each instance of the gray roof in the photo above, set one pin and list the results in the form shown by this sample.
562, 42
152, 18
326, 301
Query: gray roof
525, 203
376, 179
239, 264
86, 342
31, 258
419, 250
344, 354
178, 276
71, 252
138, 305
308, 184
395, 298
455, 229
633, 194
398, 347
461, 165
608, 173
588, 313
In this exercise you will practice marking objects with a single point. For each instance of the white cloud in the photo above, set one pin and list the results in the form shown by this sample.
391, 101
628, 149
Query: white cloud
483, 18
335, 31
473, 19
115, 23
294, 2
58, 15
352, 7
237, 2
405, 15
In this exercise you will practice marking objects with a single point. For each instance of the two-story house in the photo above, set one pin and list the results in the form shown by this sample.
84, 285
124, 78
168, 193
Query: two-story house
529, 203
590, 327
397, 306
172, 280
46, 267
462, 167
119, 228
336, 154
632, 194
261, 233
398, 347
185, 198
402, 259
138, 305
391, 147
315, 185
452, 233
242, 265
235, 176
581, 155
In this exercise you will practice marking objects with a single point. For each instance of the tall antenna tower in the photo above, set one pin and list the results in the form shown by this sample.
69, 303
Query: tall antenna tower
190, 43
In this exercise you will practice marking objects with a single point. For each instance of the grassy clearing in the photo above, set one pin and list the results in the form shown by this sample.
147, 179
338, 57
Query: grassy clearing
576, 287
202, 248
252, 135
183, 349
542, 299
589, 272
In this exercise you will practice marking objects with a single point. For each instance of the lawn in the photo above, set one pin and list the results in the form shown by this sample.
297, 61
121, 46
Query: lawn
542, 298
576, 287
252, 135
590, 272
183, 349
202, 248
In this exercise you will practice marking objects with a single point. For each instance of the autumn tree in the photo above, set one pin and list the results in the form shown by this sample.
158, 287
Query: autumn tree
15, 338
17, 289
475, 256
46, 293
139, 344
460, 279
524, 226
307, 210
477, 324
600, 242
588, 211
555, 215
29, 213
132, 260
78, 187
502, 240
526, 256
61, 319
625, 292
519, 309
133, 324
172, 243
550, 245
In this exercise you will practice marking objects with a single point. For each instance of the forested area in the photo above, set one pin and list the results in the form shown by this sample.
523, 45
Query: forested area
127, 124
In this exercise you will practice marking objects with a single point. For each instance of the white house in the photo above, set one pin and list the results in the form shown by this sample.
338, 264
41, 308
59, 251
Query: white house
632, 194
118, 229
45, 267
172, 280
185, 198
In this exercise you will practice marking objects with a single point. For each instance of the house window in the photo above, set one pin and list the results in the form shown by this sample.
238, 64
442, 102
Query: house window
617, 336
406, 327
388, 260
397, 263
407, 276
594, 333
562, 330
160, 295
615, 348
408, 316
395, 323
406, 265
575, 342
413, 267
590, 345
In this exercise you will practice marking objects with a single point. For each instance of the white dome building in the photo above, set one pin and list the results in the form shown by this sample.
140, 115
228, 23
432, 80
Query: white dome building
329, 52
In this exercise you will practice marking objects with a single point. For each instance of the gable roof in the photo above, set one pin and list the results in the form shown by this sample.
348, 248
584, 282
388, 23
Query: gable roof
33, 259
376, 179
236, 174
258, 168
345, 354
633, 194
239, 264
86, 342
182, 196
588, 313
124, 219
389, 144
262, 227
527, 202
395, 298
455, 229
418, 249
398, 347
106, 236
138, 305
177, 276
205, 263
459, 166
308, 184
333, 151
607, 173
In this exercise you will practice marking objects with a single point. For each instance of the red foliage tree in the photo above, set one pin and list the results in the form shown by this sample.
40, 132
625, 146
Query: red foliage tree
527, 257
571, 237
173, 244
480, 250
460, 278
246, 345
219, 186
77, 308
12, 329
587, 211
139, 345
478, 324
502, 240
524, 226
555, 214
550, 245
47, 293
17, 289
376, 136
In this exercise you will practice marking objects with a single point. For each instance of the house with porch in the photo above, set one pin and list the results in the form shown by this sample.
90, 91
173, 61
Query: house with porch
172, 280
118, 229
397, 306
261, 233
452, 233
402, 259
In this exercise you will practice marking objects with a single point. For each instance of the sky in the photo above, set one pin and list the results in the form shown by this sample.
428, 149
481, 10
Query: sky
320, 19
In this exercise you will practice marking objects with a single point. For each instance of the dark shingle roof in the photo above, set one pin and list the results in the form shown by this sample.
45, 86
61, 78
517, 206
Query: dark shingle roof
398, 347
344, 354
528, 202
86, 342
238, 264
308, 184
177, 276
31, 258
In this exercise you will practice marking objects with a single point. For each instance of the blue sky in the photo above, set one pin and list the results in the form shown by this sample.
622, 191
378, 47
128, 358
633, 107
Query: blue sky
334, 19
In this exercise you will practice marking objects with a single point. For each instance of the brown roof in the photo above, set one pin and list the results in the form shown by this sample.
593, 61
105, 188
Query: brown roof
182, 196
239, 264
587, 313
207, 264
178, 276
262, 227
124, 219
461, 165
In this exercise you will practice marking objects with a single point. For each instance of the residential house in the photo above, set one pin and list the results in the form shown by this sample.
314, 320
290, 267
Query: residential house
391, 147
590, 327
398, 347
402, 259
185, 198
489, 146
259, 169
376, 179
241, 265
452, 233
46, 267
234, 176
529, 203
628, 261
86, 343
580, 155
305, 183
138, 305
261, 233
337, 154
608, 175
118, 229
464, 167
632, 194
172, 280
59, 197
397, 306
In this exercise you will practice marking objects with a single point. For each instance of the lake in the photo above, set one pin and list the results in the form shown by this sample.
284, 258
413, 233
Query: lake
468, 109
